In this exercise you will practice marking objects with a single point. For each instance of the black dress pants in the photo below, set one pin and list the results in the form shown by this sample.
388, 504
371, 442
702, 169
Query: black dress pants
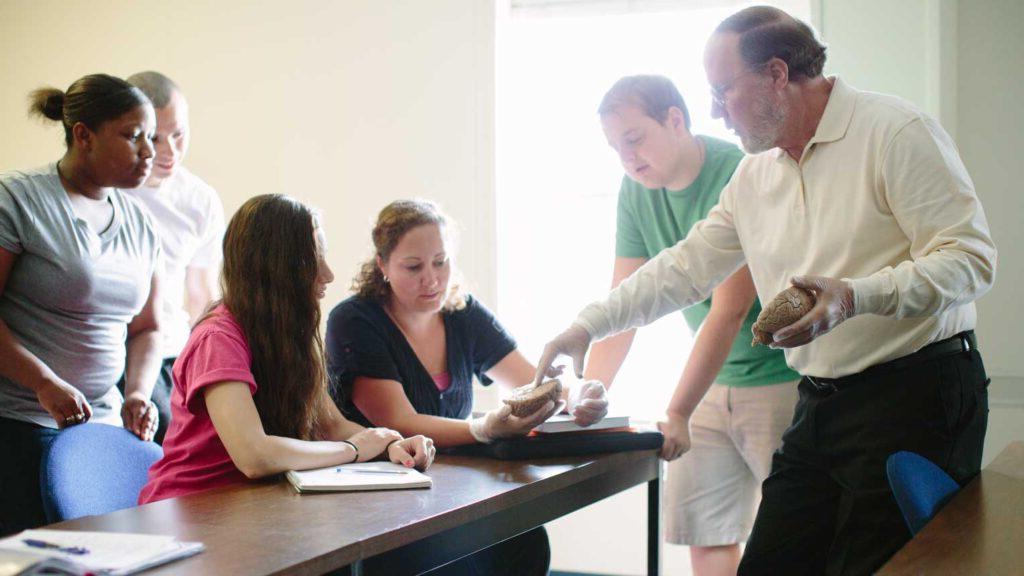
826, 506
528, 554
21, 450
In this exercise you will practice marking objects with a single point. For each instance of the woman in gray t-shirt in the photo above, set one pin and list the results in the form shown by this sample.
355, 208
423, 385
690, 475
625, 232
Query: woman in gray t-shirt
78, 282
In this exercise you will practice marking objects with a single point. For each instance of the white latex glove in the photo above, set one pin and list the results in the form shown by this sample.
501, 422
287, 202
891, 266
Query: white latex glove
834, 305
500, 423
574, 343
587, 402
677, 437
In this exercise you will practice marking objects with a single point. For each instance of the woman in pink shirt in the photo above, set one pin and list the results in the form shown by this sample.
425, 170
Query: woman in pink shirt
250, 392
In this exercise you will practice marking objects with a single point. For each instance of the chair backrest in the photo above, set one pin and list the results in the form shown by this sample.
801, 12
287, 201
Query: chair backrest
94, 469
921, 488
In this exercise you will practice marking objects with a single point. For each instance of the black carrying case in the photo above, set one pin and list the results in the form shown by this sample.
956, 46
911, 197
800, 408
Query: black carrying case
564, 444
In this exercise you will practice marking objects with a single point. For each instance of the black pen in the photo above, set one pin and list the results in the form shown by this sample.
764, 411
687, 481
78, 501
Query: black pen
76, 550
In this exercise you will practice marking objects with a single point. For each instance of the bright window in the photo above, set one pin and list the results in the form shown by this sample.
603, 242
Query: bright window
557, 179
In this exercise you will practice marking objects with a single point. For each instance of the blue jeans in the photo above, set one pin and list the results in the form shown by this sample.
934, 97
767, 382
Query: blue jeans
21, 449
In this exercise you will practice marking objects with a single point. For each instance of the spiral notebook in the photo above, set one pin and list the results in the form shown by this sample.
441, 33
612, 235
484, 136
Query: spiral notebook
355, 477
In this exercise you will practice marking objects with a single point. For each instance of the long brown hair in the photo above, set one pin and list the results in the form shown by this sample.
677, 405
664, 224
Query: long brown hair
393, 222
270, 268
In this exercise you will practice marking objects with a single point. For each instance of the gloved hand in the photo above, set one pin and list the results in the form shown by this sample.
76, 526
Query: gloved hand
834, 305
500, 423
587, 402
677, 437
574, 343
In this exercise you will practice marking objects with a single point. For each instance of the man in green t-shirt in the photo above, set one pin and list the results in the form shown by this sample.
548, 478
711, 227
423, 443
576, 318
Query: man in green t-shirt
673, 179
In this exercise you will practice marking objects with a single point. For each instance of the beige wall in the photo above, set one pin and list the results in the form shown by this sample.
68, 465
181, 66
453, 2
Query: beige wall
351, 104
346, 105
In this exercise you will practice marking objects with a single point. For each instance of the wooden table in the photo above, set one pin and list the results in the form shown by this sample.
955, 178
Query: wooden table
980, 531
267, 528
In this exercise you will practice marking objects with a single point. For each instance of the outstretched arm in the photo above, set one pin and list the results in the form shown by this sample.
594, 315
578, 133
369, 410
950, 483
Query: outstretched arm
608, 355
730, 304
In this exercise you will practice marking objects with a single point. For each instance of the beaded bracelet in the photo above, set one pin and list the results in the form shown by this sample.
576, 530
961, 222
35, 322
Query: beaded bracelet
354, 447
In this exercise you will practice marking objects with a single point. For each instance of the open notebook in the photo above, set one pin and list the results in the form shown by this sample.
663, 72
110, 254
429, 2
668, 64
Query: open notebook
101, 553
354, 477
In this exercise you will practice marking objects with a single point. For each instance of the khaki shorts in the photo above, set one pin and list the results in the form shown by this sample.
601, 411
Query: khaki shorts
712, 491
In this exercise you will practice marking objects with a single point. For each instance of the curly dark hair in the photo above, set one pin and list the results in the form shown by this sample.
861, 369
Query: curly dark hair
767, 33
393, 222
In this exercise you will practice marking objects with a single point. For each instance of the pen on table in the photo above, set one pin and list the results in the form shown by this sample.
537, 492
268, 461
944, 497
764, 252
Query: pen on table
359, 471
78, 551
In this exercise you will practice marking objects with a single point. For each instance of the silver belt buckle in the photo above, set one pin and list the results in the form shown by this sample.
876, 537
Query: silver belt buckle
822, 386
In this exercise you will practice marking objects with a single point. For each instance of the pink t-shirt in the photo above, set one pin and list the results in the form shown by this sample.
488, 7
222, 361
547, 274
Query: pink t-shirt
443, 381
195, 459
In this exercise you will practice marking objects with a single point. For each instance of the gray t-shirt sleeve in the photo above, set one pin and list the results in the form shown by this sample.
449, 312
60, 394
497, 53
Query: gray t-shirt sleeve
11, 221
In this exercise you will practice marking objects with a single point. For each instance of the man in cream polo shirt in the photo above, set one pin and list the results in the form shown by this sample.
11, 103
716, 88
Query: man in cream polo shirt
862, 199
190, 220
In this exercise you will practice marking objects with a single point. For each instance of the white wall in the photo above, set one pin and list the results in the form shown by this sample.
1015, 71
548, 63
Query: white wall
346, 105
990, 81
963, 63
906, 48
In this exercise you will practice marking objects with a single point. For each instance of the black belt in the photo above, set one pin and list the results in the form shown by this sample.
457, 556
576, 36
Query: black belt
962, 342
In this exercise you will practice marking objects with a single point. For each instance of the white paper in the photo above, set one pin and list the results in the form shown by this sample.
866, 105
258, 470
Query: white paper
362, 476
108, 552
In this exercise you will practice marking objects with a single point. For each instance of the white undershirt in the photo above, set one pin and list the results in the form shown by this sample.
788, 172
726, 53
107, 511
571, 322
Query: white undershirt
189, 218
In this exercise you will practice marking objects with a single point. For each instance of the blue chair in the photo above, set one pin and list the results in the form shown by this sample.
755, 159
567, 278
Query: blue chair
94, 469
921, 488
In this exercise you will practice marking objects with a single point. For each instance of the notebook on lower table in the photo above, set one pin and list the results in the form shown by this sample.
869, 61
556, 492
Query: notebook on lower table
100, 553
355, 477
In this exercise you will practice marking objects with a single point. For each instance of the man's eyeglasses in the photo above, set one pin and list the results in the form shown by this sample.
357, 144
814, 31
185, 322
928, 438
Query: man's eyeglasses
720, 92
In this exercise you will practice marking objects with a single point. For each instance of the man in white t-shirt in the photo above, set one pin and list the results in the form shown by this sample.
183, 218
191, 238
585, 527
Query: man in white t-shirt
190, 220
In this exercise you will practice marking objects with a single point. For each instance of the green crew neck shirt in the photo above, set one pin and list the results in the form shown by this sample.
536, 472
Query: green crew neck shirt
651, 220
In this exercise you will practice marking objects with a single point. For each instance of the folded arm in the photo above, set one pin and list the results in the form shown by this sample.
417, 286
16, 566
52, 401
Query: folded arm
384, 403
253, 451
